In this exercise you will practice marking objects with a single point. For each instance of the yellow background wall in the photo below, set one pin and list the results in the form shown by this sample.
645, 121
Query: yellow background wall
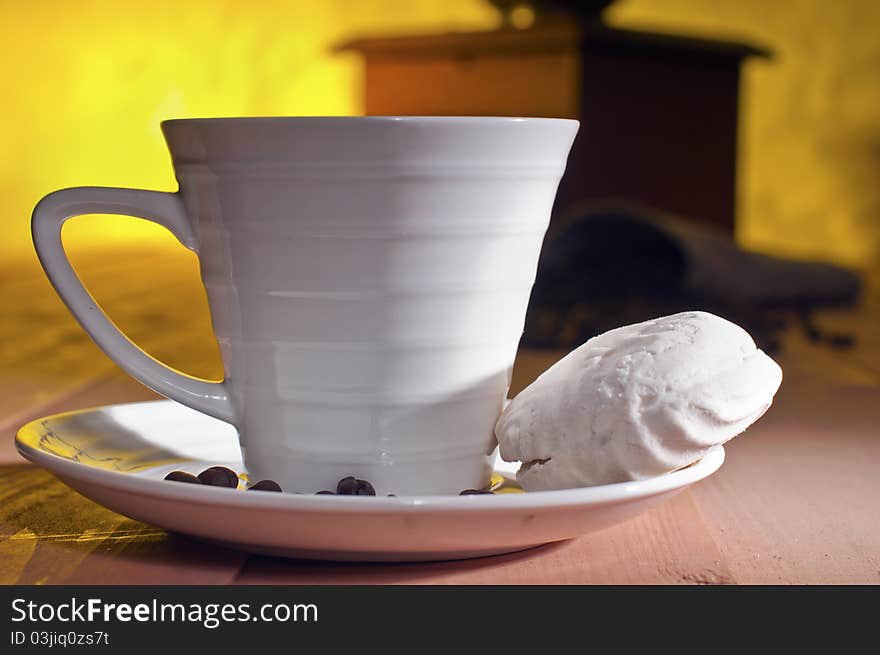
86, 83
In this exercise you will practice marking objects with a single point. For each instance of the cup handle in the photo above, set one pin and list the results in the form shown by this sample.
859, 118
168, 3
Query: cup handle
167, 210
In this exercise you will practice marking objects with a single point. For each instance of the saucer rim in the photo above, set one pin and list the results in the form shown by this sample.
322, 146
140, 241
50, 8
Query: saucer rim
618, 492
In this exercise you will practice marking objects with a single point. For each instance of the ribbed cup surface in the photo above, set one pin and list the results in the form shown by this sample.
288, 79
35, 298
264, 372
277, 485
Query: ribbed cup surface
368, 281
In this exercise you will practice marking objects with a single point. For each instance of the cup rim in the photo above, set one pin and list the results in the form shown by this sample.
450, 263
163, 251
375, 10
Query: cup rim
390, 120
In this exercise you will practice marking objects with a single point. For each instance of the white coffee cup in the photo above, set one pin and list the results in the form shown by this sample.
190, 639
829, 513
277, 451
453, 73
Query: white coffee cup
368, 280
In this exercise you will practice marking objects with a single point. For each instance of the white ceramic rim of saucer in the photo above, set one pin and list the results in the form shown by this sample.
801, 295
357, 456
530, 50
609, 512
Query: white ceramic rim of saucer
595, 495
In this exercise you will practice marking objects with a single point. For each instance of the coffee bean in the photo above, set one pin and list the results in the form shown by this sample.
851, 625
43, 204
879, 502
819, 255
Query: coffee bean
265, 485
182, 476
476, 492
813, 333
347, 486
351, 486
219, 476
325, 493
841, 341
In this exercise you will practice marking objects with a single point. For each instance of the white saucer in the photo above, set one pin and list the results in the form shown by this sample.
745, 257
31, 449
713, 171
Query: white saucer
118, 456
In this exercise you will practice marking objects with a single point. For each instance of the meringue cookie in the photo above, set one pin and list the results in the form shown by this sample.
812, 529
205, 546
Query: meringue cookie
636, 402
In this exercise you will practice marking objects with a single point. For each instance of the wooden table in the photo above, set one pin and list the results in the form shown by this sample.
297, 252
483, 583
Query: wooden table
798, 500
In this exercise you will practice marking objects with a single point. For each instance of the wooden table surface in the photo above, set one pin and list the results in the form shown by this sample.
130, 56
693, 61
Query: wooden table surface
797, 501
